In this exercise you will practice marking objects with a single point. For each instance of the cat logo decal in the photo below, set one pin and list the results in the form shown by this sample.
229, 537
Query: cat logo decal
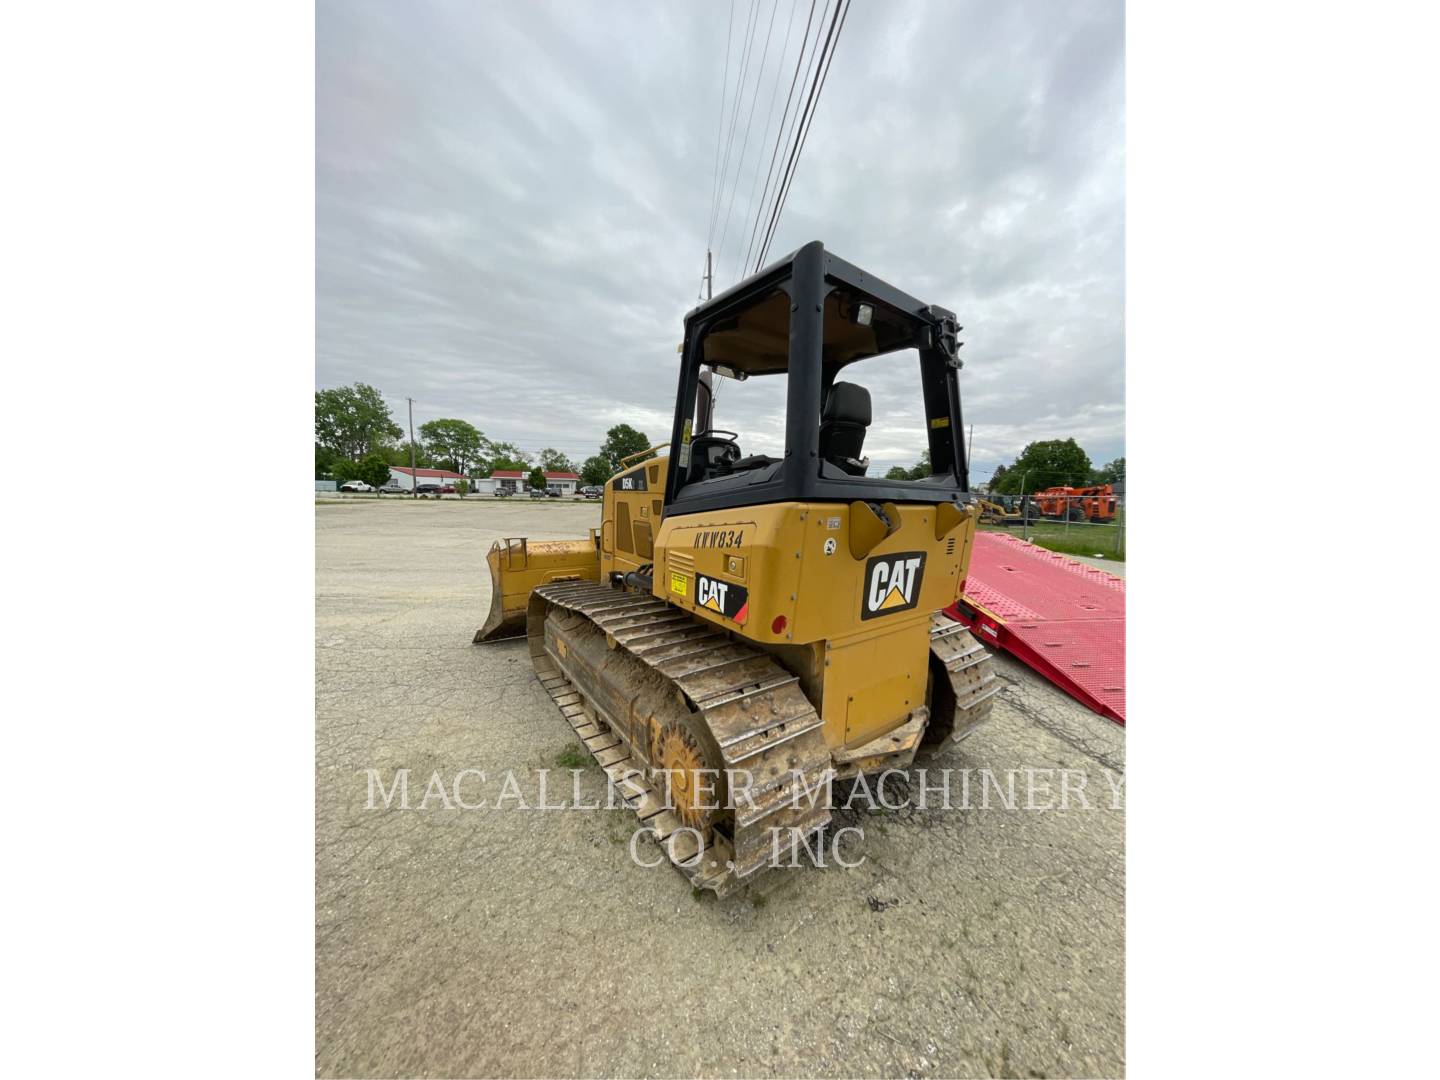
723, 597
892, 583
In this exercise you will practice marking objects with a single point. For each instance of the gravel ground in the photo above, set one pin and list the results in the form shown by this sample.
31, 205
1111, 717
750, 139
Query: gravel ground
507, 942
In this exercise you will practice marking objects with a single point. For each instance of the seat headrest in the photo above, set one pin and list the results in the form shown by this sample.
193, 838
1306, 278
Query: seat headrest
848, 403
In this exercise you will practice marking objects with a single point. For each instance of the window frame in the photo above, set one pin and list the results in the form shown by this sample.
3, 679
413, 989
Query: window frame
807, 277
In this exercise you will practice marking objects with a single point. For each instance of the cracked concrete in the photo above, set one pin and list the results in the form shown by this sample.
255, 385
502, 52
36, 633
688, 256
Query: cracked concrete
525, 943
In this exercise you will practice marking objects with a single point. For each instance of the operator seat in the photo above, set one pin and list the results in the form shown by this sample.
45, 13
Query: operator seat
842, 427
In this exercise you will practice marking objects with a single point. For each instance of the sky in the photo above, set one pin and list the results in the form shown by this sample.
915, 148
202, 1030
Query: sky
514, 200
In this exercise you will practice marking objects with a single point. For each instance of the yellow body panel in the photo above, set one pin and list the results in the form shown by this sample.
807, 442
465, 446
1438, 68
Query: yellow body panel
631, 517
856, 629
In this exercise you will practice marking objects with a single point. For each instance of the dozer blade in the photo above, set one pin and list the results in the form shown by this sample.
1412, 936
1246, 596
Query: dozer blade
518, 565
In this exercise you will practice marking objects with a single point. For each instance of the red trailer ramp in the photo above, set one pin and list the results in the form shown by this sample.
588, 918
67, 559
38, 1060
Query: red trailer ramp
1062, 618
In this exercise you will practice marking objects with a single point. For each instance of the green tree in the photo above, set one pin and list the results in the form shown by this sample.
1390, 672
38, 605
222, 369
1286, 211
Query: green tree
621, 441
998, 478
1050, 463
352, 421
462, 488
555, 461
456, 443
898, 472
400, 456
1113, 473
504, 455
922, 467
374, 469
537, 478
595, 471
325, 461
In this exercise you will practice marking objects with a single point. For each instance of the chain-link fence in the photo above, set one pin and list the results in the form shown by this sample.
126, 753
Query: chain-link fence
1076, 524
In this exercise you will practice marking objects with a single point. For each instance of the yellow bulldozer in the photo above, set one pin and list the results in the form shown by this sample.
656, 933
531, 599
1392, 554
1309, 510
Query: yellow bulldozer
743, 629
1001, 510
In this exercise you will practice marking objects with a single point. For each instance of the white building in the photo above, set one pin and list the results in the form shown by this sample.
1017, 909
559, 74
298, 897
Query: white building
564, 482
443, 477
517, 482
509, 480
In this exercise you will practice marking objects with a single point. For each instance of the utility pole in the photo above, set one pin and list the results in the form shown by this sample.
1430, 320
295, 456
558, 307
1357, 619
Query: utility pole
709, 277
414, 476
970, 448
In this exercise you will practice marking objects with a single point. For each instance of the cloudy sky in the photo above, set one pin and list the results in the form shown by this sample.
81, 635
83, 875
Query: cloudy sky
513, 202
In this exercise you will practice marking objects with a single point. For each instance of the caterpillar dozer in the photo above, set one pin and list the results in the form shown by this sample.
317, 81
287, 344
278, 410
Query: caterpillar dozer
743, 629
1001, 510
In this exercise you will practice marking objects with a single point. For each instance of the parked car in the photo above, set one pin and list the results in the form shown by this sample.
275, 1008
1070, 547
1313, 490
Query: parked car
593, 492
355, 485
393, 488
504, 492
428, 489
447, 489
538, 493
553, 493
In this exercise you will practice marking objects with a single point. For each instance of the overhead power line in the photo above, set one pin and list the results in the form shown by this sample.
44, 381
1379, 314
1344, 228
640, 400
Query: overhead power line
720, 125
791, 132
742, 259
750, 26
749, 123
780, 134
832, 40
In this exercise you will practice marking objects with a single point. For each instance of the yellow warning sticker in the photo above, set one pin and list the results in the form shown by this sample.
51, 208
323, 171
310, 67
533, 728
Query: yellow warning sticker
678, 584
940, 422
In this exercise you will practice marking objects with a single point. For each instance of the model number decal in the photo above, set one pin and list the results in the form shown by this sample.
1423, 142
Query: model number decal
634, 480
720, 538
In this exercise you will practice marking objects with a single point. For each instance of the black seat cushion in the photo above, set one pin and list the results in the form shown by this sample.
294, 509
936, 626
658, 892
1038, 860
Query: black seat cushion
842, 425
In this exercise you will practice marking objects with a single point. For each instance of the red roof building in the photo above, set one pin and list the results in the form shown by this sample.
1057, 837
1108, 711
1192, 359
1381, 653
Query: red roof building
407, 478
430, 474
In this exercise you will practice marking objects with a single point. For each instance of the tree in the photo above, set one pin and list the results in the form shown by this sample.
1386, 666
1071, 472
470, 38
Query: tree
400, 455
555, 461
537, 478
621, 441
595, 471
462, 488
1113, 473
374, 469
504, 455
1051, 463
898, 472
998, 478
325, 462
352, 421
457, 443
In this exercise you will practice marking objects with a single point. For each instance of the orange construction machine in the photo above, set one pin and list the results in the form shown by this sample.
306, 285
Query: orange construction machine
1096, 503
